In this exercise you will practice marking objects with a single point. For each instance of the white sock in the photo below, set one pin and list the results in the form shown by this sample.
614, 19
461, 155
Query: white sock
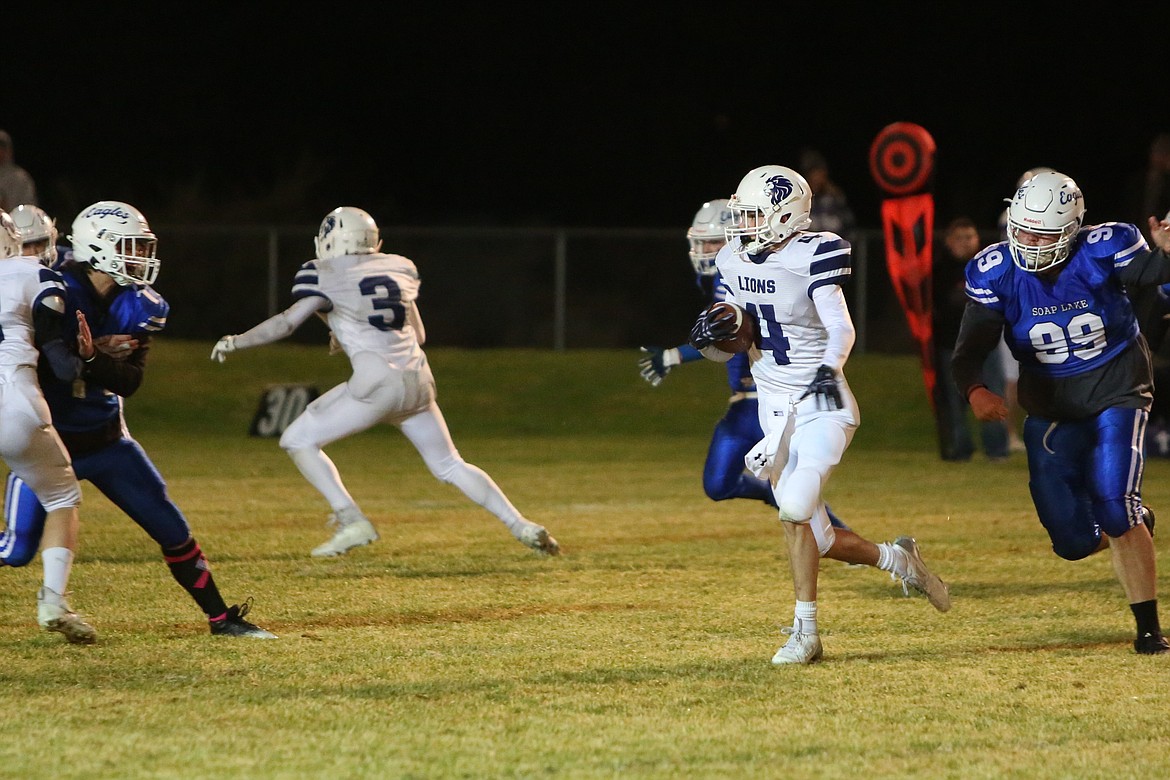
806, 617
891, 558
57, 562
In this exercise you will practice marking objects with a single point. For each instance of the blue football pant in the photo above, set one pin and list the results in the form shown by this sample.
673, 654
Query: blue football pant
1086, 477
724, 476
123, 473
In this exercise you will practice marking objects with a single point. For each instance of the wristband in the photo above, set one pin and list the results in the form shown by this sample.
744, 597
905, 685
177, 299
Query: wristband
972, 389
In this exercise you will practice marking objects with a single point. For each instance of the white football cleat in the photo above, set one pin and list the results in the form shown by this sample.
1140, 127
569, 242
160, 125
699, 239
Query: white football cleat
54, 614
921, 578
537, 538
801, 648
354, 530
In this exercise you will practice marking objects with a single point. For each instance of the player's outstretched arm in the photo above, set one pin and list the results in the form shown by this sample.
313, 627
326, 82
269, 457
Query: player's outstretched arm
656, 362
272, 329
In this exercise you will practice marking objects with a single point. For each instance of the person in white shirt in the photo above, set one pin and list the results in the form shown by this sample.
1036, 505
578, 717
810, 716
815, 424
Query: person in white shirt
368, 298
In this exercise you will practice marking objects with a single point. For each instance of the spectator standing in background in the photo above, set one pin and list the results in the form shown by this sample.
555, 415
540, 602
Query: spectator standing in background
1148, 192
16, 185
960, 243
830, 207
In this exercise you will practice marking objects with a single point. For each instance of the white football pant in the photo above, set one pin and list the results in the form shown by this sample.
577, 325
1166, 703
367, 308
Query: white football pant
816, 445
29, 444
377, 393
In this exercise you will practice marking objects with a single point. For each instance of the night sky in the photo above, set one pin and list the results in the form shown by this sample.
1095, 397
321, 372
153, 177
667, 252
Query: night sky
536, 115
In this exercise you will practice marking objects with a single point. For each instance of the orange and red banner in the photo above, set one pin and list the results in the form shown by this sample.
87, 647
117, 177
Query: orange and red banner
901, 160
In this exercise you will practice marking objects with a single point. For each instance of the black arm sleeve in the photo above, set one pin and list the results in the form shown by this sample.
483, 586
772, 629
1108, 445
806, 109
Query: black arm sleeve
121, 377
49, 337
979, 335
1148, 269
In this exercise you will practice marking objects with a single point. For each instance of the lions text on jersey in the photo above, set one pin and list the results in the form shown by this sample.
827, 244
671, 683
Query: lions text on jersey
777, 287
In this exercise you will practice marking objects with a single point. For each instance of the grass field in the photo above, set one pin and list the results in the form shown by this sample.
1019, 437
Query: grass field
449, 650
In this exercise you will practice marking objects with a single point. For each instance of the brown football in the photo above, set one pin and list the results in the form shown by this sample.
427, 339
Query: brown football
746, 330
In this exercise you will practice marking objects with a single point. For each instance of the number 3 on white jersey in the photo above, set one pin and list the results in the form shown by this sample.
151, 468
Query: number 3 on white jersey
385, 295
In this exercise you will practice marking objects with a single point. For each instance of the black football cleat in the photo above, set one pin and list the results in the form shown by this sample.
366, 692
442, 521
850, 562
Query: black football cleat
233, 623
1151, 644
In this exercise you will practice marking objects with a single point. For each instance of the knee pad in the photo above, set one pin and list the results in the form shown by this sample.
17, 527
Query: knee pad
17, 550
800, 494
1075, 548
1113, 517
821, 527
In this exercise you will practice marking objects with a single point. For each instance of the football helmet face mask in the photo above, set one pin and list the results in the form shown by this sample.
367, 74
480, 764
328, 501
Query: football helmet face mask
706, 235
9, 236
38, 233
1048, 205
347, 231
771, 203
114, 238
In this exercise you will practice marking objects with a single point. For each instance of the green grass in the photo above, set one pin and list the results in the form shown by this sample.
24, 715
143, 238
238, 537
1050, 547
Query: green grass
448, 650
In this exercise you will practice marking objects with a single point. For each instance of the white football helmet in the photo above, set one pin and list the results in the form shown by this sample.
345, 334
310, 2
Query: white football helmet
706, 235
1048, 204
347, 231
114, 238
771, 204
9, 236
35, 227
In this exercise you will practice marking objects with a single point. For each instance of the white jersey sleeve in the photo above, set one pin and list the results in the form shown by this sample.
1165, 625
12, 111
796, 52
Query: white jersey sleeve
24, 282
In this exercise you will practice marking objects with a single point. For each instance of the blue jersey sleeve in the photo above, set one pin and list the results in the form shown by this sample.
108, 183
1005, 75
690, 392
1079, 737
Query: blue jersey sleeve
985, 273
137, 311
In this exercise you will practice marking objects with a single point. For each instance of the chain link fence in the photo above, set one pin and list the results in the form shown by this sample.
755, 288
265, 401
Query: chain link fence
542, 288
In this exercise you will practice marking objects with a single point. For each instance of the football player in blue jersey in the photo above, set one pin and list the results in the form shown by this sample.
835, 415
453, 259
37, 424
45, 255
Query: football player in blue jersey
108, 279
1056, 290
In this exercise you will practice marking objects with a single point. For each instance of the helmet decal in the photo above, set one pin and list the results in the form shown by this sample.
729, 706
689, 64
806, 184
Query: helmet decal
104, 210
778, 188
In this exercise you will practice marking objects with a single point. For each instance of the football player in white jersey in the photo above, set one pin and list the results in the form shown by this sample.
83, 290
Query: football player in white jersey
790, 281
368, 298
32, 307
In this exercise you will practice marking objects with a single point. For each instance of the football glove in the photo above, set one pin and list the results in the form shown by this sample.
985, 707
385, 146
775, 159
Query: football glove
222, 348
656, 363
709, 329
825, 386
